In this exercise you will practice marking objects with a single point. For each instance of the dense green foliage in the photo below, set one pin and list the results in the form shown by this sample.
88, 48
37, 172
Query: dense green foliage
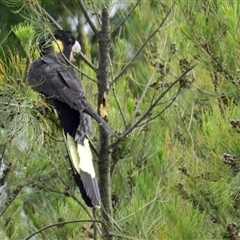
174, 177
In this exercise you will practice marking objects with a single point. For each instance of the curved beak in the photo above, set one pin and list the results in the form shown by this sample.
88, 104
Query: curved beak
76, 49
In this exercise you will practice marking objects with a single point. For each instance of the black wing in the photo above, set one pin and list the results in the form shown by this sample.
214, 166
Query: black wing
57, 81
61, 83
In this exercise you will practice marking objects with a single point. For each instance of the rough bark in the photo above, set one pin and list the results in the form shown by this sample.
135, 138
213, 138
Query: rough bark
104, 164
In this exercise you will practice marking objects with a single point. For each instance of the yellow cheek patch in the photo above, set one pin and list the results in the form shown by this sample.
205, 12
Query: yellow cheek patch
57, 46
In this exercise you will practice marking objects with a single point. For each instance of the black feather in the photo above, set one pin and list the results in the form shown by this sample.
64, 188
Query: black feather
52, 76
49, 76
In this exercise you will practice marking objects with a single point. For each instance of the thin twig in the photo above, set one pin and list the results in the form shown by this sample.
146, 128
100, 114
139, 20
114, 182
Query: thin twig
112, 219
19, 105
54, 138
90, 78
124, 20
188, 129
141, 47
93, 147
145, 90
60, 224
12, 199
88, 62
3, 152
96, 13
121, 236
144, 206
95, 228
115, 94
81, 204
205, 92
119, 106
86, 210
161, 112
42, 10
148, 111
171, 102
189, 133
88, 18
42, 185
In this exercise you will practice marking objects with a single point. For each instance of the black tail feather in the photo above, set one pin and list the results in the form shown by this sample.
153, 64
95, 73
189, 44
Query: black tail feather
79, 183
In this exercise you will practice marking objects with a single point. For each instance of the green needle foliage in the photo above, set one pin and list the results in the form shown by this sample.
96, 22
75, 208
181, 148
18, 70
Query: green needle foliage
175, 176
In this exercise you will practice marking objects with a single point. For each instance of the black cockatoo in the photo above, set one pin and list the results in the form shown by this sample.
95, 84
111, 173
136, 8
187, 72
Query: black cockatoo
53, 76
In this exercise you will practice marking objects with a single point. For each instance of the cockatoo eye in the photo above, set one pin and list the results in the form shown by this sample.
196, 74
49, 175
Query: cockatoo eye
70, 41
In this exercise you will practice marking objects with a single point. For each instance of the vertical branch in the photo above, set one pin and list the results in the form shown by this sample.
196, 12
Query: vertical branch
104, 164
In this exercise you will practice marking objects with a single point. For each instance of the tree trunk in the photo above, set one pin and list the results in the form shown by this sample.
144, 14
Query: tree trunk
104, 163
